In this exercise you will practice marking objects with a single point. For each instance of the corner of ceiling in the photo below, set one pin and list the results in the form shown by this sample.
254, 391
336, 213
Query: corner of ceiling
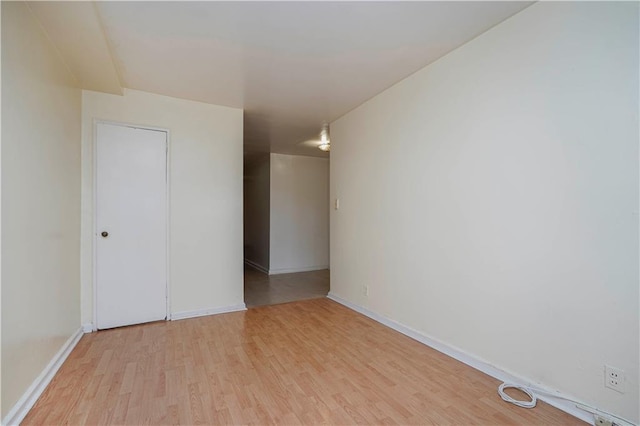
76, 31
114, 62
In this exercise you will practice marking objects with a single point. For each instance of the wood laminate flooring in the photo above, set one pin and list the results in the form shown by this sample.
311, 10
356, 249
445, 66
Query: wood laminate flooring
261, 289
307, 362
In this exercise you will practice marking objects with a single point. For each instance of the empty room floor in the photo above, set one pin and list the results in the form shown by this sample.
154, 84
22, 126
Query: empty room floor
261, 289
306, 362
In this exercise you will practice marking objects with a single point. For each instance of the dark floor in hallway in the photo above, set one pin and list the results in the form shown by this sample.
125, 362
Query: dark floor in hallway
262, 289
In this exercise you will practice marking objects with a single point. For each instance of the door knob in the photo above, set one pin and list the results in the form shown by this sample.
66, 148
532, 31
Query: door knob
105, 234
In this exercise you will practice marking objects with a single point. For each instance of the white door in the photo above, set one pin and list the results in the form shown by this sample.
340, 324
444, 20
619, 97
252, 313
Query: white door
131, 225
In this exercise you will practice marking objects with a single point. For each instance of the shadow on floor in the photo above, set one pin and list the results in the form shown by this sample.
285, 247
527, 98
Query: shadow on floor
261, 289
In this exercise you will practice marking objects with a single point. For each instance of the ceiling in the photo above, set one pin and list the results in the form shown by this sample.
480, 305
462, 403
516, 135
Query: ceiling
290, 65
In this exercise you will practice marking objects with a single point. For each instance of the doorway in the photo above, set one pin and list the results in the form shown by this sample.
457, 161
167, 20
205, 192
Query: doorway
130, 225
286, 228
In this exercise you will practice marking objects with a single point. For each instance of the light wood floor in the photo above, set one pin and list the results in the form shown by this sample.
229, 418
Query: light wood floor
305, 362
261, 289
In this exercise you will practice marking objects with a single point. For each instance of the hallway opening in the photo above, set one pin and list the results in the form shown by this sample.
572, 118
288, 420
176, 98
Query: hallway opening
286, 228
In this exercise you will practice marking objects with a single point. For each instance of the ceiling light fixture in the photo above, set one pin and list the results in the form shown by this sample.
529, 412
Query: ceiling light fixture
325, 143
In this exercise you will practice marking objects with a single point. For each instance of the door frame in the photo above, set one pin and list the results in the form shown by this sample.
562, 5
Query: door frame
94, 227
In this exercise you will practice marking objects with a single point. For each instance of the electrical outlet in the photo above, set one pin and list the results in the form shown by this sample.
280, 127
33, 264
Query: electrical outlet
614, 378
365, 290
602, 421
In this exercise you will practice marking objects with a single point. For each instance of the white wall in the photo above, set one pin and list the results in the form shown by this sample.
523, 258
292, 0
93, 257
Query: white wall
256, 212
205, 173
299, 236
490, 200
40, 202
1, 414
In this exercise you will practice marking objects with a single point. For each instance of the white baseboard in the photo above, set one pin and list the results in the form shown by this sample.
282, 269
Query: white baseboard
33, 392
472, 361
88, 328
210, 311
254, 265
294, 270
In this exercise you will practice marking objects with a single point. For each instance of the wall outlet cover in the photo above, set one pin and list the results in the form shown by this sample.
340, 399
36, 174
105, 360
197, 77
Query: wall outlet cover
614, 378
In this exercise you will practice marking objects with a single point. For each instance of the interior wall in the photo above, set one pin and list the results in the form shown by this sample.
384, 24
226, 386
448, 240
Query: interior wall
40, 202
299, 236
490, 200
1, 414
256, 212
205, 174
